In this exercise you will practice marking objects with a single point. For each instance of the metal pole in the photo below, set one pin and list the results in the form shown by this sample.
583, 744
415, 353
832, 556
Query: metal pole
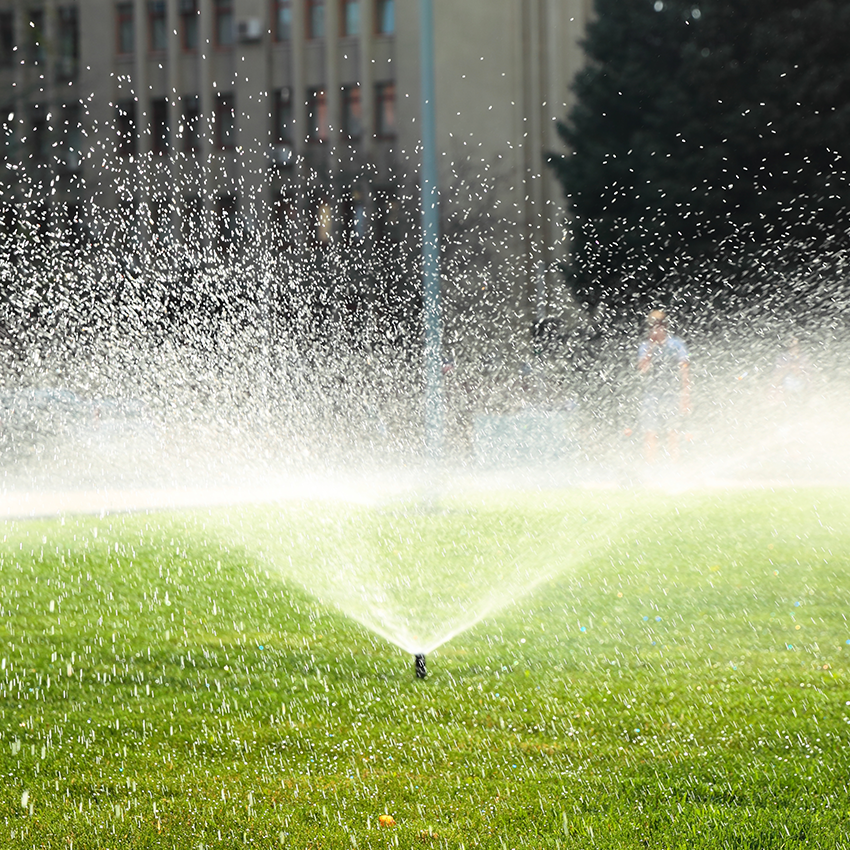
430, 240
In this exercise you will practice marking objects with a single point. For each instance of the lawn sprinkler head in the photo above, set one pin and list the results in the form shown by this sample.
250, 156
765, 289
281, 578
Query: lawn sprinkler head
419, 666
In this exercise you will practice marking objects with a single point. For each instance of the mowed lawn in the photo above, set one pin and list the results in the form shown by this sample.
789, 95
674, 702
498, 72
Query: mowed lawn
163, 685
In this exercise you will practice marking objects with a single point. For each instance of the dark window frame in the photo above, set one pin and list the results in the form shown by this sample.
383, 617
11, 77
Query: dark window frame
192, 218
159, 129
125, 25
282, 20
283, 116
286, 218
224, 38
68, 42
314, 19
125, 128
157, 27
384, 17
7, 38
189, 25
225, 131
71, 141
351, 104
36, 52
39, 135
346, 30
318, 126
191, 122
227, 212
385, 110
386, 221
353, 218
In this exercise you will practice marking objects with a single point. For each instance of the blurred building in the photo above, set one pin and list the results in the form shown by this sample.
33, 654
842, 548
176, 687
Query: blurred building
308, 110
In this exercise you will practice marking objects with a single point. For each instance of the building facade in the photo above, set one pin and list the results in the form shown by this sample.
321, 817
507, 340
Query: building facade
308, 110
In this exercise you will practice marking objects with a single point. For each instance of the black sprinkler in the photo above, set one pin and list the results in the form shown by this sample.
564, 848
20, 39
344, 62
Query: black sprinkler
419, 666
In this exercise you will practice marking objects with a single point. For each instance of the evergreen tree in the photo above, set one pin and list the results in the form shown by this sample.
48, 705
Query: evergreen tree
701, 122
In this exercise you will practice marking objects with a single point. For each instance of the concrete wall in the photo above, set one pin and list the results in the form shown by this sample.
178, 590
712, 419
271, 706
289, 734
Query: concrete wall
504, 69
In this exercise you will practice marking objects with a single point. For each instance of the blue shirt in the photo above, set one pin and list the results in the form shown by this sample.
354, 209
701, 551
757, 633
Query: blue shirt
663, 376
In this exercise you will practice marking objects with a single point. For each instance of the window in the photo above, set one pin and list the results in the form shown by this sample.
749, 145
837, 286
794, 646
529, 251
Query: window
224, 23
315, 18
159, 126
35, 46
227, 210
353, 218
225, 121
71, 140
191, 123
7, 39
39, 134
387, 218
68, 38
283, 20
385, 17
126, 31
191, 218
156, 26
189, 24
317, 116
350, 17
385, 110
282, 130
160, 207
125, 126
286, 215
351, 112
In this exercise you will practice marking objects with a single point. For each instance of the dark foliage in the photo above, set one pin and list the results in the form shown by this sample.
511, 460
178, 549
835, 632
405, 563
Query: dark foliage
705, 131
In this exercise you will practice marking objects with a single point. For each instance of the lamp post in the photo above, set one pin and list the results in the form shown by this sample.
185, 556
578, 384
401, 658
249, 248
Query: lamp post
430, 240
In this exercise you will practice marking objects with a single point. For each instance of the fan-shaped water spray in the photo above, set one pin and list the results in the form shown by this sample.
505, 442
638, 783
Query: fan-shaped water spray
260, 360
248, 378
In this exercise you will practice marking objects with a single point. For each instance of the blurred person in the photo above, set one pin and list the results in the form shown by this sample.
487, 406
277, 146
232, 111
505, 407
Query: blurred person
663, 362
790, 381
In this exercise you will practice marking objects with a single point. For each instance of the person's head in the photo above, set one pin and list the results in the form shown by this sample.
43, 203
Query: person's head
656, 325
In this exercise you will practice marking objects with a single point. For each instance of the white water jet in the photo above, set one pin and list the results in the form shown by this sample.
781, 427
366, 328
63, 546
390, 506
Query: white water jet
171, 375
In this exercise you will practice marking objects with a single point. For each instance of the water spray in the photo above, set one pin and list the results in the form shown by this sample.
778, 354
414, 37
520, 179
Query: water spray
419, 666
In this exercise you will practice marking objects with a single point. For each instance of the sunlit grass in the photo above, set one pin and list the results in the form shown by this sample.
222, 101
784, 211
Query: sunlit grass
166, 683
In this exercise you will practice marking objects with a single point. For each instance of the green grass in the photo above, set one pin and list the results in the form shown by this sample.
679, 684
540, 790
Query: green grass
683, 685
